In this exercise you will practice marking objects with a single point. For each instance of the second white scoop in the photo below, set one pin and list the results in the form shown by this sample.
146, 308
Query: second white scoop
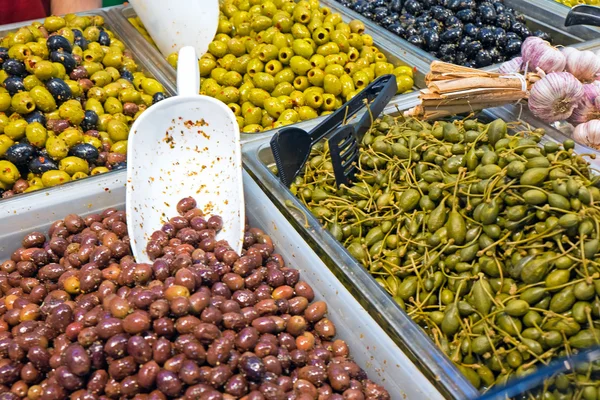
187, 145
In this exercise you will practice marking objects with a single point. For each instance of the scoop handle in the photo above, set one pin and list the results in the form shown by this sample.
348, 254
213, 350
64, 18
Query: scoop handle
188, 74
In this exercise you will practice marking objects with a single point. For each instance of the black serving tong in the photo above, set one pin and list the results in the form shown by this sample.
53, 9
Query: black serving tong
583, 15
518, 386
291, 146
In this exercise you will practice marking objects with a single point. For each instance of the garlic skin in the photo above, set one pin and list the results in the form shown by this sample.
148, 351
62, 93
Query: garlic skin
537, 53
584, 65
588, 133
588, 107
555, 96
512, 66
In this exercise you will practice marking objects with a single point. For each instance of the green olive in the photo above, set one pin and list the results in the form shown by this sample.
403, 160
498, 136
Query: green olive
255, 66
54, 23
258, 96
152, 86
8, 172
72, 165
71, 136
305, 113
252, 114
285, 75
264, 81
5, 143
72, 111
285, 55
43, 99
117, 130
300, 66
332, 84
15, 129
302, 48
93, 104
36, 134
282, 89
55, 177
274, 107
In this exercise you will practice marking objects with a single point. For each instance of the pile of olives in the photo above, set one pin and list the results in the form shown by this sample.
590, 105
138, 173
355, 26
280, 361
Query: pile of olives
473, 33
280, 62
69, 91
80, 319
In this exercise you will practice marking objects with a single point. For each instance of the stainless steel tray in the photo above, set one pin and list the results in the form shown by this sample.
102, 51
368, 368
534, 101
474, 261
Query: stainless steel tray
370, 346
257, 156
546, 15
146, 62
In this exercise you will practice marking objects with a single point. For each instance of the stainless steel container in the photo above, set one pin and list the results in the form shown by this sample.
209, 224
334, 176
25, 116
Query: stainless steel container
546, 15
257, 157
372, 349
395, 55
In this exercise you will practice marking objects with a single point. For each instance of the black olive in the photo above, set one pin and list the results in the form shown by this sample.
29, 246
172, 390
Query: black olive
121, 165
42, 164
495, 54
500, 7
473, 48
428, 3
90, 121
460, 58
379, 3
431, 39
486, 12
520, 29
512, 35
483, 59
486, 37
441, 14
77, 33
448, 49
380, 13
443, 3
387, 21
416, 41
36, 116
396, 28
104, 39
159, 96
407, 19
20, 153
470, 64
462, 44
542, 35
454, 23
422, 20
513, 46
65, 59
465, 4
471, 30
466, 15
395, 6
454, 5
84, 150
520, 17
59, 89
58, 43
452, 35
410, 31
14, 67
14, 84
368, 14
81, 42
3, 55
434, 26
125, 74
413, 6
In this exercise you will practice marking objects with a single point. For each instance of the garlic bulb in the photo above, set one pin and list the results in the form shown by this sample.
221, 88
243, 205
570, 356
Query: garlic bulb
537, 53
588, 133
584, 65
554, 97
511, 66
588, 107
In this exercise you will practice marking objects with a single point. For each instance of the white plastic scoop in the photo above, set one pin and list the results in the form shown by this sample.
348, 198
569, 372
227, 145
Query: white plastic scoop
174, 24
186, 145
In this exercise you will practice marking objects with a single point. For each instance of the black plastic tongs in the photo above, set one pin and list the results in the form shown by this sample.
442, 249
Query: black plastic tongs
291, 146
583, 15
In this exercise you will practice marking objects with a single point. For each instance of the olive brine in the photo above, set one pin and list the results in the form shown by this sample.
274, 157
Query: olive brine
472, 33
490, 242
69, 91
